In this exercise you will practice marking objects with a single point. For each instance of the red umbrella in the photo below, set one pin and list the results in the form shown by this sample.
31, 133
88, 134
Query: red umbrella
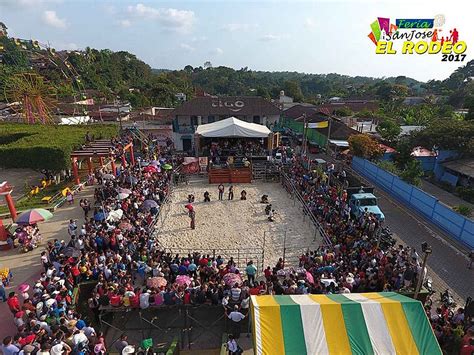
150, 169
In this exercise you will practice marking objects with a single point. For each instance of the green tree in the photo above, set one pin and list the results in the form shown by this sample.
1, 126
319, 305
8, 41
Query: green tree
343, 111
446, 134
293, 89
389, 129
412, 173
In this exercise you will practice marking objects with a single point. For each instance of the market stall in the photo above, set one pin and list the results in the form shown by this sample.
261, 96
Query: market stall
364, 323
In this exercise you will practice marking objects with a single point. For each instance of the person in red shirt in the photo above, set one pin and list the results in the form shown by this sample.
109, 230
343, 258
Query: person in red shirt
268, 273
187, 297
13, 303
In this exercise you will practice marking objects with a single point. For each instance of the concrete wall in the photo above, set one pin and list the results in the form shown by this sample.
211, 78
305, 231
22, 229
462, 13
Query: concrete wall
457, 226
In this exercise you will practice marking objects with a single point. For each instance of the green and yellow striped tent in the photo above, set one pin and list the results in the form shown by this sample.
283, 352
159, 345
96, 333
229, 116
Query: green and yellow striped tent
355, 323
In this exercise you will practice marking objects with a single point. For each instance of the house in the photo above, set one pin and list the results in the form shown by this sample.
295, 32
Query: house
406, 130
208, 109
426, 157
459, 172
353, 105
413, 100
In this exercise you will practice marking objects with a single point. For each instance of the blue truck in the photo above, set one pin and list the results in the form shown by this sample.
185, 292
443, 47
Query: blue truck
361, 200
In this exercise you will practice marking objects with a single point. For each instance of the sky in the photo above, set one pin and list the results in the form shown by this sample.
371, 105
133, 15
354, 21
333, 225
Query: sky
325, 36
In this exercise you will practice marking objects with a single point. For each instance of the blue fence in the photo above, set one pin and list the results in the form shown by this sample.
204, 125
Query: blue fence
459, 227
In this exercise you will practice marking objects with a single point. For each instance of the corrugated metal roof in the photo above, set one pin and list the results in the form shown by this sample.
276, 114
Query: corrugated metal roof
463, 166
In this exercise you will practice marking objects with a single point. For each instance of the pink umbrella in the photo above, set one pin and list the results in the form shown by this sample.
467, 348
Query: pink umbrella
309, 277
125, 191
23, 288
183, 280
156, 282
231, 279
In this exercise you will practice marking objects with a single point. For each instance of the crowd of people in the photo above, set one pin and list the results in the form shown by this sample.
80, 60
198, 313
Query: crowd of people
115, 247
354, 261
109, 245
221, 150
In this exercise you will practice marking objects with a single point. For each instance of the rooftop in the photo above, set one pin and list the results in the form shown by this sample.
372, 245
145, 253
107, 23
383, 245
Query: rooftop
227, 106
462, 166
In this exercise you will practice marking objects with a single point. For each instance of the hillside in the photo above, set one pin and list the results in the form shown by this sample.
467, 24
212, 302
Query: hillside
122, 75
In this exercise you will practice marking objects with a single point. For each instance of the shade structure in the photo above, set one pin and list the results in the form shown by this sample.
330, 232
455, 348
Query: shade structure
33, 216
233, 127
354, 323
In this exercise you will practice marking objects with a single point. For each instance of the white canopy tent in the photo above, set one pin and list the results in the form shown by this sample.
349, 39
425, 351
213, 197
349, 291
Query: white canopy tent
233, 127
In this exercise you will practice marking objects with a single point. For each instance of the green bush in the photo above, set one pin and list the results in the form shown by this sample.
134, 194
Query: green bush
463, 209
389, 166
45, 146
466, 193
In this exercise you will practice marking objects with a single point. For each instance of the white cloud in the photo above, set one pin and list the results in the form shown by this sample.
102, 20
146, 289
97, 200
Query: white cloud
51, 18
170, 19
269, 37
187, 47
219, 51
234, 27
309, 23
125, 23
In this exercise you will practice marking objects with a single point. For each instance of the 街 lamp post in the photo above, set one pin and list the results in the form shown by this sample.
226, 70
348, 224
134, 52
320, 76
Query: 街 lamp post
426, 249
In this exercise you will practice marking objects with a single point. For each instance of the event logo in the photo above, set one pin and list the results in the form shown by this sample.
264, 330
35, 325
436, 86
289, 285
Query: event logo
417, 36
232, 106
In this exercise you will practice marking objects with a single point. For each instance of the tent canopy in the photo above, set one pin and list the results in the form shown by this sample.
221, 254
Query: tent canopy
353, 323
233, 127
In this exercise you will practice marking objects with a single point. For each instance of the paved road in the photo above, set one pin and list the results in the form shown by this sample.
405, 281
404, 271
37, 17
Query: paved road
447, 263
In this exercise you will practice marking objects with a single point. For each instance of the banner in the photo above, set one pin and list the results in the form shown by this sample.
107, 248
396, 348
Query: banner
323, 124
203, 161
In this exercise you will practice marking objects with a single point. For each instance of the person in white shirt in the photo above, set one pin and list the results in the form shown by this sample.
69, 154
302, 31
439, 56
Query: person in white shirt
72, 228
232, 346
144, 300
79, 338
236, 317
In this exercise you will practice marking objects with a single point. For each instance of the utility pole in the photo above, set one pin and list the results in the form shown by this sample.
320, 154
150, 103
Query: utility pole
305, 138
427, 251
329, 134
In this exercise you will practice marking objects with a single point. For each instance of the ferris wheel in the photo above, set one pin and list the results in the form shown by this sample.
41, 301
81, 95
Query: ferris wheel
33, 96
30, 94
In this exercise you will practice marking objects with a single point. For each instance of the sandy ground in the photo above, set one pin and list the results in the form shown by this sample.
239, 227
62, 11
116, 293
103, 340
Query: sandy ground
237, 227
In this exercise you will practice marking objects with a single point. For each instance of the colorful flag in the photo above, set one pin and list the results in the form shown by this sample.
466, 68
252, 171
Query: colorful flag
375, 29
384, 23
323, 124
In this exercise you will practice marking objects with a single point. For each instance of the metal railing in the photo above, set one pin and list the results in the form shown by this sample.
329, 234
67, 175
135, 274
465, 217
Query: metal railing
165, 206
296, 196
